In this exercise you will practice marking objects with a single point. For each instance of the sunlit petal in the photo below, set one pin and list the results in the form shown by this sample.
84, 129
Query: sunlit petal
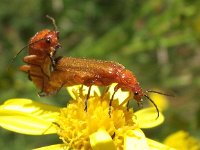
45, 111
120, 95
154, 145
28, 117
135, 139
147, 118
182, 140
101, 140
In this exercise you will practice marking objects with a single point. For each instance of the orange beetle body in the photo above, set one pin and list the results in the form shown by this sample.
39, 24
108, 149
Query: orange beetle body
42, 48
70, 71
50, 74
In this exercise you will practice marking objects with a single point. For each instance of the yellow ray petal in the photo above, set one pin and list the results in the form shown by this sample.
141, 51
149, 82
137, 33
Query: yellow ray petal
101, 140
28, 117
53, 147
120, 95
146, 118
25, 123
85, 89
154, 145
135, 139
182, 140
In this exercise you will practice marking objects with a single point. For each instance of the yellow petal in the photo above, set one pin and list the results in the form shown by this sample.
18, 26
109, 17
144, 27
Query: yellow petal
53, 147
28, 117
120, 95
101, 140
135, 139
154, 145
182, 140
94, 89
146, 118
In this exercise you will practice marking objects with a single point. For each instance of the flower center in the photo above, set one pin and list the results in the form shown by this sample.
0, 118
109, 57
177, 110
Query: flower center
75, 125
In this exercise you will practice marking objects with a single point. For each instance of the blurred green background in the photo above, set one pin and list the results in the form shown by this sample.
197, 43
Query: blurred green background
157, 40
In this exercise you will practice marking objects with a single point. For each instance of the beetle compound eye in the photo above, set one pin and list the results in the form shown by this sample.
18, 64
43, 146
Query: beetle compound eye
137, 96
48, 40
136, 93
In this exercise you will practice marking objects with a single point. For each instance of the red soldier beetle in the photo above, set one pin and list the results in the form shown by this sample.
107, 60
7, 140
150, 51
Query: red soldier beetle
70, 71
50, 74
41, 49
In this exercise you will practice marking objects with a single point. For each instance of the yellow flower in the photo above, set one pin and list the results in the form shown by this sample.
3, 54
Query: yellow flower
94, 129
182, 140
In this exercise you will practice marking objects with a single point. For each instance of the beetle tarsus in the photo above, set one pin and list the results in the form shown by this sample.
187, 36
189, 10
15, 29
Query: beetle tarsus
110, 104
86, 101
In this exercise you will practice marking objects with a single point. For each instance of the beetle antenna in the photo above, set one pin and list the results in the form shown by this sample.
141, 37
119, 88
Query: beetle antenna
157, 92
53, 21
55, 28
18, 53
24, 48
153, 104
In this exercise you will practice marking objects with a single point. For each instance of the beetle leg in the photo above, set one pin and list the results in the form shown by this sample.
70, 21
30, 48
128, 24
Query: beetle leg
42, 71
86, 101
30, 75
59, 88
113, 136
53, 62
42, 93
25, 68
81, 91
110, 104
127, 106
34, 60
111, 100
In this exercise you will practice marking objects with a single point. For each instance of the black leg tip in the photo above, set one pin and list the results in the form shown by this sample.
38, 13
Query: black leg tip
85, 109
42, 94
113, 136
